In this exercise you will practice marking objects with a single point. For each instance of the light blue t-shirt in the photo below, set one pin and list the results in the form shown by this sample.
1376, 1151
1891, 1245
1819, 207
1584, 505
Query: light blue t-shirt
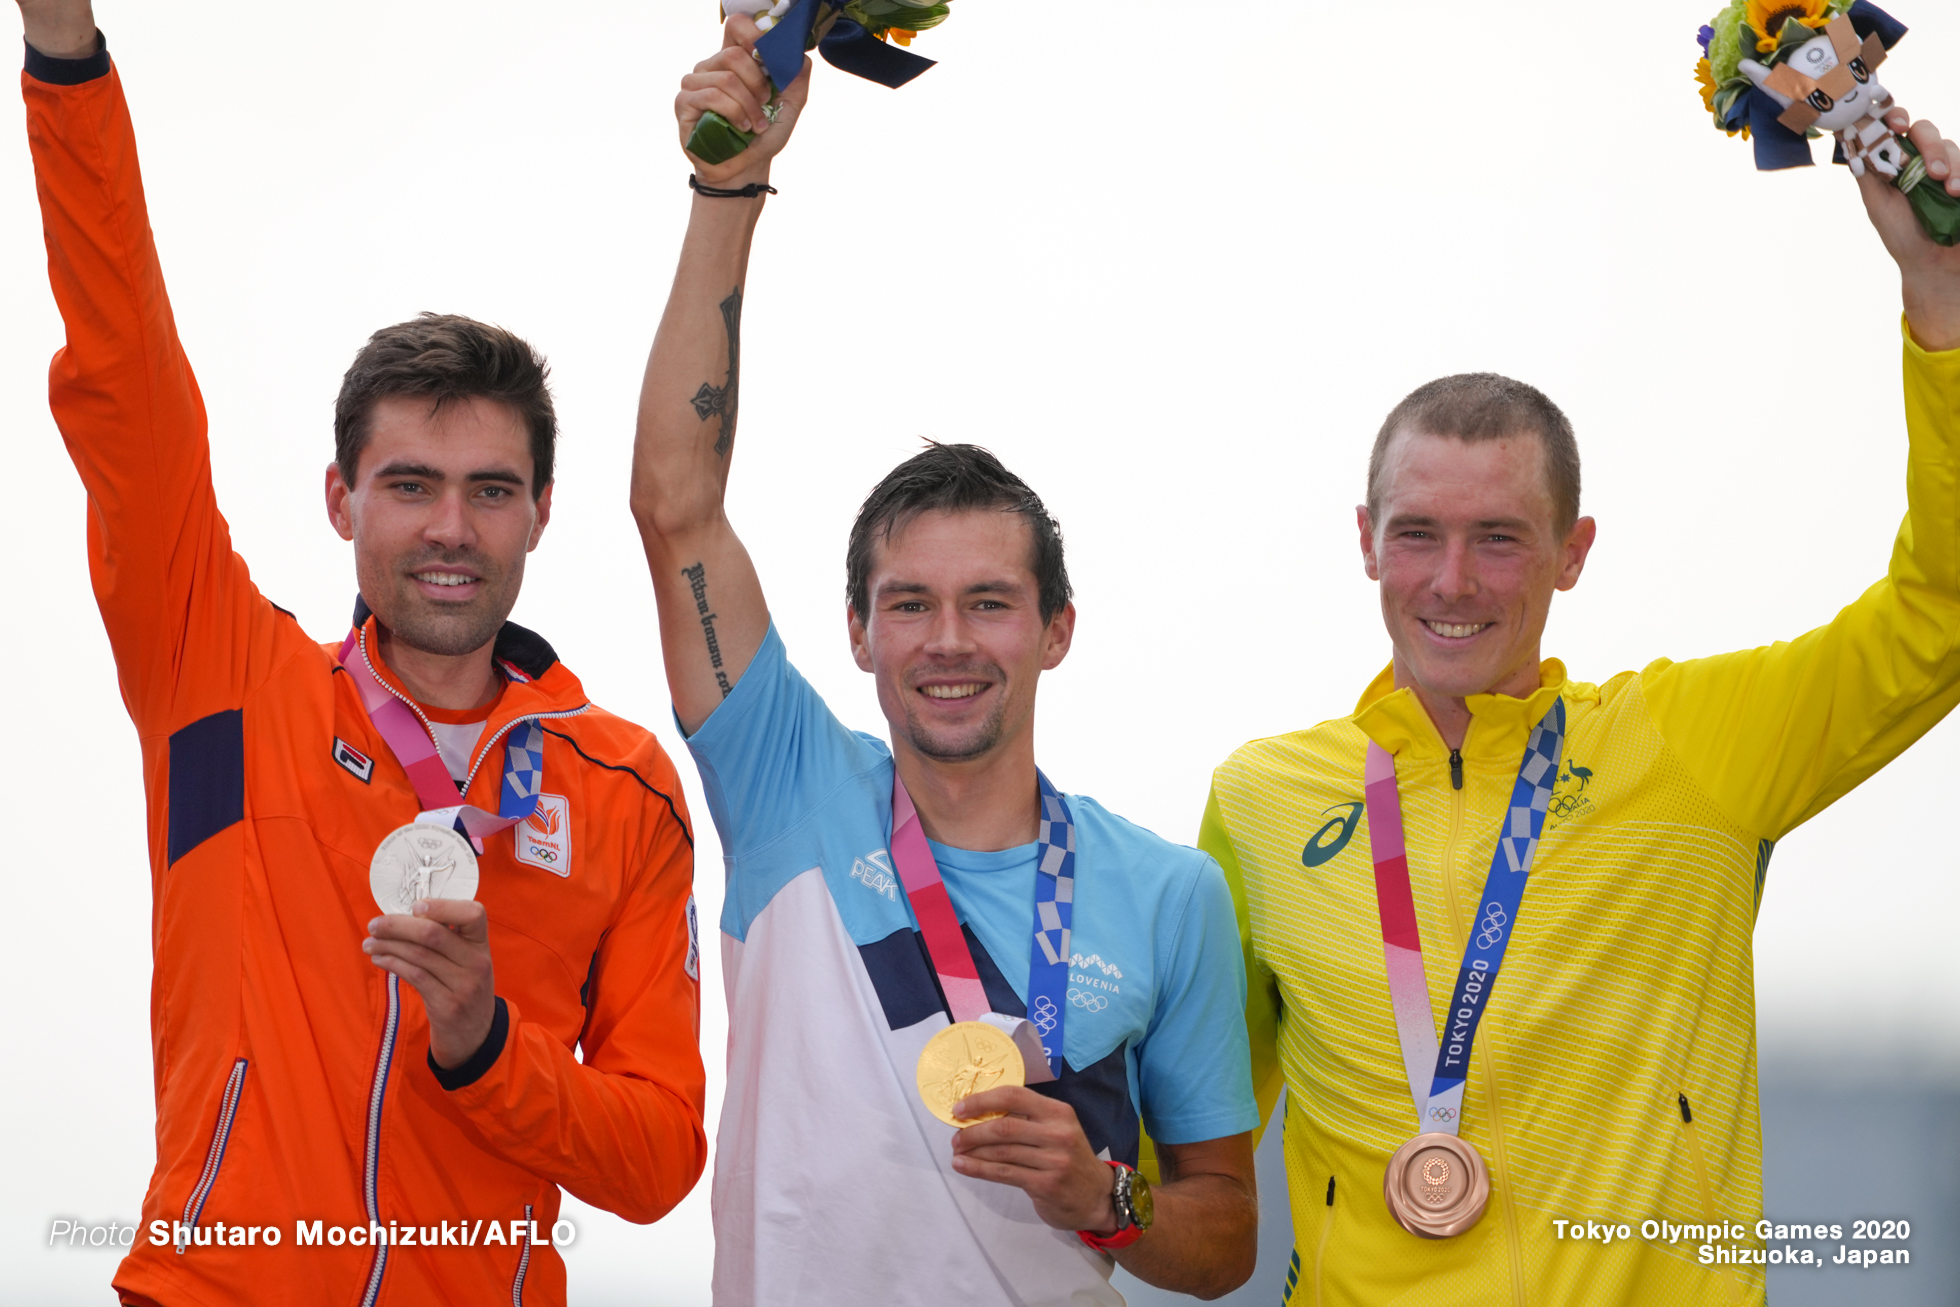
830, 988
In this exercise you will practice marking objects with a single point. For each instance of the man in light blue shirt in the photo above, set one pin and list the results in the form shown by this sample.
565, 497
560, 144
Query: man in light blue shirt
834, 1183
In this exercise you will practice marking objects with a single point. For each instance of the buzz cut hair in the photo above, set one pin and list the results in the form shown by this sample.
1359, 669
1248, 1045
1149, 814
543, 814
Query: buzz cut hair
1478, 406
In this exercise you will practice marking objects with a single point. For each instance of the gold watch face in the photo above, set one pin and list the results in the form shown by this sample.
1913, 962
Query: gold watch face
1142, 1205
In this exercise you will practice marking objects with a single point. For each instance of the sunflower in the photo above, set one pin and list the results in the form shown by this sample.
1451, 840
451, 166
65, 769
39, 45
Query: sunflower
1768, 16
1706, 79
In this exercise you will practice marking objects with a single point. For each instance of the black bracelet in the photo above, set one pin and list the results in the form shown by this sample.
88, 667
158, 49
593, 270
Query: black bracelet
748, 192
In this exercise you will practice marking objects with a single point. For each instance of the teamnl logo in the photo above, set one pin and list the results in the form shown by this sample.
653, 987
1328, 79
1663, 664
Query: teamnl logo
544, 839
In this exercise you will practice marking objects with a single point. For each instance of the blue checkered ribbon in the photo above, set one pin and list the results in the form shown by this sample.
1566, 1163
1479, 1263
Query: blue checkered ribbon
1054, 910
1490, 933
523, 771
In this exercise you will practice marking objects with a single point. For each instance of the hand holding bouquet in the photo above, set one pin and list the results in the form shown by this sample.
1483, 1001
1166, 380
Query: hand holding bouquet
1785, 71
854, 35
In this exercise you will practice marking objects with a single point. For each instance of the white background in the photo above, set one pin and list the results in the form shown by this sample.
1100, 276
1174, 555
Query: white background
1172, 263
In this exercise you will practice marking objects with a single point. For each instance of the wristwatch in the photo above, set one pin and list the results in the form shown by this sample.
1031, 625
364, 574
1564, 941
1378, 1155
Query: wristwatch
1134, 1210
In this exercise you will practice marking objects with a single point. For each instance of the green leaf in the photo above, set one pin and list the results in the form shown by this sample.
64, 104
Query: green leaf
716, 140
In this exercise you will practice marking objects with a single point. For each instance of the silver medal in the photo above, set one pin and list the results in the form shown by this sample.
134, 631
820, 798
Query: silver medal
421, 861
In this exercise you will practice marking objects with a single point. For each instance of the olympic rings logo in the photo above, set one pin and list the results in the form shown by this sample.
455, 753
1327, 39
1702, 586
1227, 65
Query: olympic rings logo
1086, 1001
1045, 1014
1493, 926
545, 855
1442, 1113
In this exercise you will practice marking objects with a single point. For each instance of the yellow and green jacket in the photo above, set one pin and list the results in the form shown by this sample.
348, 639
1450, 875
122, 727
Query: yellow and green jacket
1614, 1075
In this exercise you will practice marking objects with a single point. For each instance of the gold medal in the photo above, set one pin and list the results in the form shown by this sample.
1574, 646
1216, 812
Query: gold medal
966, 1058
1436, 1186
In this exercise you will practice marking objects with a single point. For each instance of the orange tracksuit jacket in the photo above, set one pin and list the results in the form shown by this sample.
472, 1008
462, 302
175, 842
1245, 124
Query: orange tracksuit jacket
292, 1081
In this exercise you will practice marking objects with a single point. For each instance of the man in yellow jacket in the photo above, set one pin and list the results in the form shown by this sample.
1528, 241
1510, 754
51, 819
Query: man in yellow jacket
1614, 1073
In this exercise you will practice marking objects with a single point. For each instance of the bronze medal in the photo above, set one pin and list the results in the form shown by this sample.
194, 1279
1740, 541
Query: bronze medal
1436, 1186
966, 1058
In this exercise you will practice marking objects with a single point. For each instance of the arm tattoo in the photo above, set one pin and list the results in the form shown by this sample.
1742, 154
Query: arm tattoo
697, 580
711, 400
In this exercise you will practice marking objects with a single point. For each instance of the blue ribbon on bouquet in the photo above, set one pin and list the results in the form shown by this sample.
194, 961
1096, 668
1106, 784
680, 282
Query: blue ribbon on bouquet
1776, 145
847, 45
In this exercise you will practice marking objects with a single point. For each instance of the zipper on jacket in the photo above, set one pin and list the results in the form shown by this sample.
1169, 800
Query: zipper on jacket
1326, 1235
483, 750
371, 1167
1456, 769
1730, 1276
523, 1263
214, 1156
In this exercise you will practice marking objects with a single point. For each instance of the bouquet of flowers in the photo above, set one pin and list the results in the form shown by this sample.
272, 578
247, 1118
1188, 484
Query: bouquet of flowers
859, 36
1786, 71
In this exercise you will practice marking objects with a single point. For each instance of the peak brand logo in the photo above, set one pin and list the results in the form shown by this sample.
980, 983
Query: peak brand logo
544, 839
1334, 836
874, 872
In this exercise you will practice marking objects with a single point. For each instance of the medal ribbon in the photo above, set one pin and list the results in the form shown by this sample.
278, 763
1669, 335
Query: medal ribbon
1054, 910
402, 731
1437, 1067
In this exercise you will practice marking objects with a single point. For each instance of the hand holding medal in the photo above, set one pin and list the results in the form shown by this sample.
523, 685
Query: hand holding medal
423, 876
421, 861
967, 1057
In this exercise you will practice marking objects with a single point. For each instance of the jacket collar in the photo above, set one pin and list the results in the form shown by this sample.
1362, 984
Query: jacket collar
1499, 724
537, 682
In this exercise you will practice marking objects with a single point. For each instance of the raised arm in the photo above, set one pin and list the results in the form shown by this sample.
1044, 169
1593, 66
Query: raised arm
59, 29
183, 618
712, 614
1778, 734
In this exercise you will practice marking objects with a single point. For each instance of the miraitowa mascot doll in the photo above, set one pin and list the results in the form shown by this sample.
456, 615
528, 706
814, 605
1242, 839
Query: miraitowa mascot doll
1784, 71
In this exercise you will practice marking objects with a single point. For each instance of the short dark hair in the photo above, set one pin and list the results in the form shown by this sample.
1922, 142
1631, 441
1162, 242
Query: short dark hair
444, 357
952, 479
1479, 406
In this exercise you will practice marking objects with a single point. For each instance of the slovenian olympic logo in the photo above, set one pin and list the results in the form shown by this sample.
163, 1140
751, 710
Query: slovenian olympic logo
1086, 1001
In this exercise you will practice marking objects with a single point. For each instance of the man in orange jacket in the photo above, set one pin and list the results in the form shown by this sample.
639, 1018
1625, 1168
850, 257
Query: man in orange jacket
353, 1104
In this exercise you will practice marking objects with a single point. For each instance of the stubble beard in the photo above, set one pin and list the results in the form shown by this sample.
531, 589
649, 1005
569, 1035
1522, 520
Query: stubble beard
448, 630
971, 743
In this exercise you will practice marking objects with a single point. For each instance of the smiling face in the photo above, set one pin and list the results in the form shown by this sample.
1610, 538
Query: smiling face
1468, 553
954, 634
441, 516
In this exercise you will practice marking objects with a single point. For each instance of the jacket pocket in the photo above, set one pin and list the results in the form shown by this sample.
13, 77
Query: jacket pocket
214, 1156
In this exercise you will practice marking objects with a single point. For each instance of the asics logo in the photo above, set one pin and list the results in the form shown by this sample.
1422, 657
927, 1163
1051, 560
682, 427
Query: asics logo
1491, 929
1333, 837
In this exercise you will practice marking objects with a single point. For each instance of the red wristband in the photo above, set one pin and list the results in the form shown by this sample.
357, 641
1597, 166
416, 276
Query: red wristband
1123, 1238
